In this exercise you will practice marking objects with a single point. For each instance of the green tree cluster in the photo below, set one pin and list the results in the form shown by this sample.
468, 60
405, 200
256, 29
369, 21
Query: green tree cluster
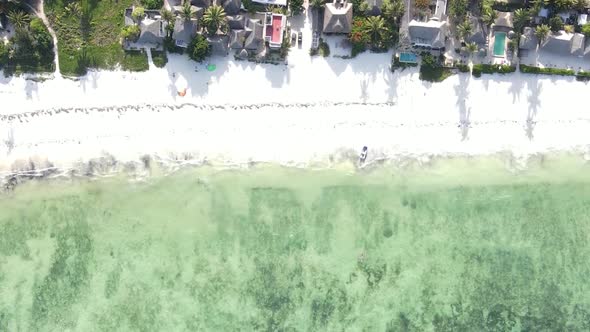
153, 4
296, 7
199, 49
31, 47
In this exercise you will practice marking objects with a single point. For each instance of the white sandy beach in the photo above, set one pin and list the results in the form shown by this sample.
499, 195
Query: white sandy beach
313, 111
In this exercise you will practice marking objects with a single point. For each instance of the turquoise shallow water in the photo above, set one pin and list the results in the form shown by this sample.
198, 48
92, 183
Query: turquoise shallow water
459, 245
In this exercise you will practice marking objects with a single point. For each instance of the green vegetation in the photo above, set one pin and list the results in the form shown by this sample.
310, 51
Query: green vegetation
153, 4
135, 61
583, 76
30, 50
159, 58
479, 69
546, 71
214, 20
556, 23
586, 30
199, 49
296, 7
88, 33
463, 68
431, 70
324, 48
458, 10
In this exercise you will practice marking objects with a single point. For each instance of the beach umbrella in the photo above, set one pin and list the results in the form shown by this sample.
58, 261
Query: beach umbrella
211, 67
181, 85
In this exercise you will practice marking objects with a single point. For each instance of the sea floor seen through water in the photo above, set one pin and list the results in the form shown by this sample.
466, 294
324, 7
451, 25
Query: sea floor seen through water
459, 245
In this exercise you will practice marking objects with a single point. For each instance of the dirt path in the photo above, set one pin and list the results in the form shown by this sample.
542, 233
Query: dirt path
40, 12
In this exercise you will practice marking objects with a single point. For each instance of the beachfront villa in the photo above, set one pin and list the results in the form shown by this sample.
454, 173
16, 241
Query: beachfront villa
338, 17
432, 33
564, 44
184, 31
274, 29
152, 29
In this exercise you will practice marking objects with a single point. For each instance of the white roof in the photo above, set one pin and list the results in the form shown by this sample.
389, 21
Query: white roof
272, 2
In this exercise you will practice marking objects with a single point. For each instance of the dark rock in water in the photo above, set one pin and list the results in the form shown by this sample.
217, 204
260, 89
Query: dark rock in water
387, 230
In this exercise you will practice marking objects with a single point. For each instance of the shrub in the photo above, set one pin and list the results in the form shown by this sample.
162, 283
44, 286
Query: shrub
324, 49
171, 47
491, 69
160, 58
199, 49
138, 13
556, 23
546, 71
130, 32
463, 68
583, 76
153, 4
3, 54
586, 30
431, 70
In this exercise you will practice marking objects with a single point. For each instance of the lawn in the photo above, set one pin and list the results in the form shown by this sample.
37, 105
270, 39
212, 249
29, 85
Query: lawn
135, 61
160, 58
88, 34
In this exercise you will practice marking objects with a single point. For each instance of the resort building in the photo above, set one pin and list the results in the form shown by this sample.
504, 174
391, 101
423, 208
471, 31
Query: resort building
564, 44
184, 31
431, 34
219, 45
152, 29
338, 17
528, 42
274, 29
503, 22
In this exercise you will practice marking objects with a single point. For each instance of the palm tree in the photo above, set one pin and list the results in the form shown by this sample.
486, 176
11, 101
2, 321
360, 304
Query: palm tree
375, 27
19, 19
521, 18
489, 17
393, 10
167, 15
316, 4
187, 13
542, 32
464, 30
214, 19
569, 28
74, 9
471, 48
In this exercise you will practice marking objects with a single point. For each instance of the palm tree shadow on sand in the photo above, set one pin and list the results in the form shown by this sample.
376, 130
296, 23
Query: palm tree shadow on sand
464, 113
535, 87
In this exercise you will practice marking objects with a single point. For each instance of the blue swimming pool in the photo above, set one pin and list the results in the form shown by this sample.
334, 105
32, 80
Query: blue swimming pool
408, 57
499, 44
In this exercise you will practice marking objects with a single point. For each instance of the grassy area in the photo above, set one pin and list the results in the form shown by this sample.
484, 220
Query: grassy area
479, 69
88, 35
431, 70
546, 71
160, 58
135, 61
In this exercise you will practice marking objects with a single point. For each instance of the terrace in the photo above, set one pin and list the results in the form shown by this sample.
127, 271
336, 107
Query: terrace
274, 29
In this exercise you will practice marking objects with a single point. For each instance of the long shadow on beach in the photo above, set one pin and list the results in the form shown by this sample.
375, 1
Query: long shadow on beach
31, 88
462, 93
516, 86
197, 76
535, 86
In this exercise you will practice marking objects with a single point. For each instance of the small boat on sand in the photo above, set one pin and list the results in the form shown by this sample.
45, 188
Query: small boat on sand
363, 155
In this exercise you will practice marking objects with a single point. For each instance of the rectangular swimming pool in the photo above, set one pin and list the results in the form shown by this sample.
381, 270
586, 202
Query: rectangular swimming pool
408, 57
499, 43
